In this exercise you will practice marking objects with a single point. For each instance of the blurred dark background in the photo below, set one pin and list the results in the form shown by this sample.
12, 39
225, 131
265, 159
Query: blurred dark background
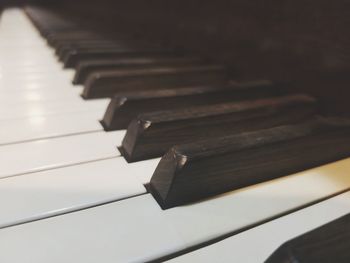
305, 42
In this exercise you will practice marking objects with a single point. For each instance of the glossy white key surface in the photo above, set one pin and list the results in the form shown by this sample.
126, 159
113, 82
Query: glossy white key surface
23, 110
19, 95
57, 191
57, 152
136, 229
257, 244
41, 127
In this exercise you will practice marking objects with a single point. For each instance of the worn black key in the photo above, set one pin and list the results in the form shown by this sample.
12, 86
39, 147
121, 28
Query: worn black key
63, 49
190, 172
74, 57
152, 134
56, 38
84, 69
126, 106
106, 83
78, 52
326, 244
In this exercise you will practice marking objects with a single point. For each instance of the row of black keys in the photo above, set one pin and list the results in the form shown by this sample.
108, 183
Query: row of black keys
214, 136
228, 135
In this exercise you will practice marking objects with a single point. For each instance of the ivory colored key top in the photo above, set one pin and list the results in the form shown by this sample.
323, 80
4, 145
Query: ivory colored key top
42, 127
18, 96
65, 189
24, 110
256, 244
136, 229
57, 152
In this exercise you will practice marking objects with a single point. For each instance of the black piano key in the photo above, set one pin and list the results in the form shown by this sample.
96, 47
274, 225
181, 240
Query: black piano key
106, 83
328, 243
71, 59
84, 69
126, 106
76, 53
191, 172
54, 39
152, 134
63, 49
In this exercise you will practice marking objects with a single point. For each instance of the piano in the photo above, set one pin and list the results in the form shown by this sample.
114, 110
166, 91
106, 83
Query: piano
174, 131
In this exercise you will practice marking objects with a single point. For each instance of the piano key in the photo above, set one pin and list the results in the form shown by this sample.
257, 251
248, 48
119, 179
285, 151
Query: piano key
74, 54
73, 58
19, 95
67, 189
63, 50
51, 153
56, 38
48, 126
106, 83
31, 109
188, 173
89, 43
86, 68
150, 135
25, 85
126, 106
152, 233
264, 239
59, 43
328, 242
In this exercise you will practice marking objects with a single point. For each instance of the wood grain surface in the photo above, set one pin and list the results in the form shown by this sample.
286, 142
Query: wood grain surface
106, 83
326, 244
190, 172
152, 134
126, 106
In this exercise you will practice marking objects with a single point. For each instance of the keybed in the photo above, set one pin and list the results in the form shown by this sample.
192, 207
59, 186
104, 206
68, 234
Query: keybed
117, 150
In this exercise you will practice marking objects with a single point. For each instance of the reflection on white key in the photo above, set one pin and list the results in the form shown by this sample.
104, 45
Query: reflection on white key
58, 152
57, 191
257, 244
24, 110
19, 96
42, 127
136, 229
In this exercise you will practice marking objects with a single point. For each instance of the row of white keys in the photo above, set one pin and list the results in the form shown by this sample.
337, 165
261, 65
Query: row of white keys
257, 244
136, 229
28, 120
44, 104
62, 173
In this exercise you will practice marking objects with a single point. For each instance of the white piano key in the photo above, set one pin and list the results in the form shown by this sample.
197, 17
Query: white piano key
136, 229
58, 152
54, 82
23, 110
43, 127
19, 96
17, 86
257, 244
38, 75
47, 193
114, 237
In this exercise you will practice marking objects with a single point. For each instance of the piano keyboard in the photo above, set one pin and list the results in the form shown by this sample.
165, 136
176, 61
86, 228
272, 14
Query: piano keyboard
68, 194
